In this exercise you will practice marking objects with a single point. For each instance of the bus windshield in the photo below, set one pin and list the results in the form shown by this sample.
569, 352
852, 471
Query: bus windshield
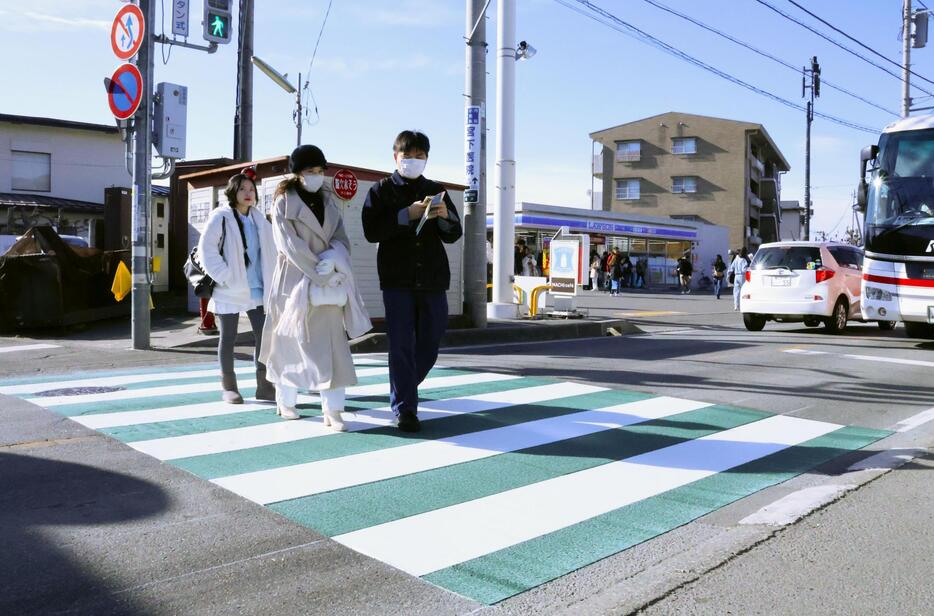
901, 189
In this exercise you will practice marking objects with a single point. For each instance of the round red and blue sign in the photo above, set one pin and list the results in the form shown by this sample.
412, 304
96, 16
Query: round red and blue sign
124, 91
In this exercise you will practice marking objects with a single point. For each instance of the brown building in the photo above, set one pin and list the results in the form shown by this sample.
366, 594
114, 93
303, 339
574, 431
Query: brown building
696, 167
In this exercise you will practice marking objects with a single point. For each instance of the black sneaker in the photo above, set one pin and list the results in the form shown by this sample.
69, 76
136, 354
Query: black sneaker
408, 421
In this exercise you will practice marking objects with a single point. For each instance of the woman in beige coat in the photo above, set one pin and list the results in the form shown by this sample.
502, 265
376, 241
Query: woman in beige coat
314, 304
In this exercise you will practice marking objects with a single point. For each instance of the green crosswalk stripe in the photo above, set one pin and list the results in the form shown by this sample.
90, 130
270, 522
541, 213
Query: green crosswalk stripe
342, 511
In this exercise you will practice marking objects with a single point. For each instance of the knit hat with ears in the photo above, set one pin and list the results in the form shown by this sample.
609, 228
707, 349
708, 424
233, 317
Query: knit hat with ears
305, 156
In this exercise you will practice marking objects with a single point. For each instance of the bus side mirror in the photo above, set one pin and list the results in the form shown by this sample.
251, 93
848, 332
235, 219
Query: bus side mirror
861, 196
868, 153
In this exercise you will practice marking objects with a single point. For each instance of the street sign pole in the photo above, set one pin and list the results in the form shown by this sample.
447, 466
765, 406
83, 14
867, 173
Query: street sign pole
142, 189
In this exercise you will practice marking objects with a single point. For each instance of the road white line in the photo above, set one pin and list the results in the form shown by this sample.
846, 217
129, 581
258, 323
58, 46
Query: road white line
873, 358
221, 441
165, 390
914, 421
427, 542
28, 347
796, 505
279, 484
887, 460
122, 380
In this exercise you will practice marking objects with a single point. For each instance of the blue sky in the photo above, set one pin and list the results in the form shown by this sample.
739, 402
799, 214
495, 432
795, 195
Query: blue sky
384, 66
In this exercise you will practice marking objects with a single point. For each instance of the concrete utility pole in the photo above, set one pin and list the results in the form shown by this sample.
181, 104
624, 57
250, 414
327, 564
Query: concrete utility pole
814, 87
504, 218
243, 122
475, 213
142, 189
298, 112
906, 56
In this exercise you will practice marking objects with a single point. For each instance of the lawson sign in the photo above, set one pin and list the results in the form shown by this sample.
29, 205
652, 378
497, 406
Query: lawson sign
600, 226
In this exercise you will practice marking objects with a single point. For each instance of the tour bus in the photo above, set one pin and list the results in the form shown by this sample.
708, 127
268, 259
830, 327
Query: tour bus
898, 201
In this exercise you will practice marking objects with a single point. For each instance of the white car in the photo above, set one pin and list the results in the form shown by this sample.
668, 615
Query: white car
813, 282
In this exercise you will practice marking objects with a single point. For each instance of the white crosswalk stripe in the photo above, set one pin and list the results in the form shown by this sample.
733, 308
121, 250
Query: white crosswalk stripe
289, 482
425, 543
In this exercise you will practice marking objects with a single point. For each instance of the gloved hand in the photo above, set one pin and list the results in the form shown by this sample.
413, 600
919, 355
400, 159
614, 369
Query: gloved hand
324, 267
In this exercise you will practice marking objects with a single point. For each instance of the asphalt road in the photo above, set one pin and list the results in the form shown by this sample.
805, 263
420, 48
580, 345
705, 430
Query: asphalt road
208, 551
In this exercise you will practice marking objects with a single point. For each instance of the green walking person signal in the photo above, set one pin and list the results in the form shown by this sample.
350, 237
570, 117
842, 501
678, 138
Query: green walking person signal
217, 17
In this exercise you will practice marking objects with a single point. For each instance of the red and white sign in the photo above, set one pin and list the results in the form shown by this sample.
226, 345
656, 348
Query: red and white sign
126, 33
345, 184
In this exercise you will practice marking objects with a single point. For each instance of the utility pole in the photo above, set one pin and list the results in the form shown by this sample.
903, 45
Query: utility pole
504, 216
298, 112
142, 189
475, 209
243, 122
906, 56
814, 87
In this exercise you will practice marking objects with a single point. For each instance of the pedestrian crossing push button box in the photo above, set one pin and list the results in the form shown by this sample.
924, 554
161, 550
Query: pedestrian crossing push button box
170, 120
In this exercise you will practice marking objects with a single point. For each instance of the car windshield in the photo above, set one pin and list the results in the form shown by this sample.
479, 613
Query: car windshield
788, 257
901, 190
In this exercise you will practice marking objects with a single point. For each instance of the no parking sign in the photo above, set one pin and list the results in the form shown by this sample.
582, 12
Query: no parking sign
124, 91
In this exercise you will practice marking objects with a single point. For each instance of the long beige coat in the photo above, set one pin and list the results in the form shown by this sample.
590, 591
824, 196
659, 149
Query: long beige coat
323, 360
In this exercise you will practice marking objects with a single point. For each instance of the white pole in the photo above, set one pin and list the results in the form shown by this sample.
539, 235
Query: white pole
504, 221
906, 57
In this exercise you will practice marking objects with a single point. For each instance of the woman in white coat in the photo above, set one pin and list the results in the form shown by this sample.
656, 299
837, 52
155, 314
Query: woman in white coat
314, 305
738, 269
238, 252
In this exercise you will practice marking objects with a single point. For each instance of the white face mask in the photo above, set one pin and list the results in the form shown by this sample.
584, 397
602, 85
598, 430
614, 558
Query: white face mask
313, 181
411, 168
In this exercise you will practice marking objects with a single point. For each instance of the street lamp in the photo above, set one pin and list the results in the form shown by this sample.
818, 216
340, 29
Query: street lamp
283, 82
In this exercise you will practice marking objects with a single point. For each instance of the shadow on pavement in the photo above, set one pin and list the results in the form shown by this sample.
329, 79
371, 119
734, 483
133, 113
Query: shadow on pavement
41, 577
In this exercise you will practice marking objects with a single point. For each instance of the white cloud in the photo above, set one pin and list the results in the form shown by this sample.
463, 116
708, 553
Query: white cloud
33, 21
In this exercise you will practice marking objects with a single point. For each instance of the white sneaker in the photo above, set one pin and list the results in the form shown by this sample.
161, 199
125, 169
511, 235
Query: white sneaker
333, 419
287, 412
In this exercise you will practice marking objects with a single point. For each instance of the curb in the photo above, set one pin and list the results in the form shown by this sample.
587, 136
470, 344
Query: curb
500, 332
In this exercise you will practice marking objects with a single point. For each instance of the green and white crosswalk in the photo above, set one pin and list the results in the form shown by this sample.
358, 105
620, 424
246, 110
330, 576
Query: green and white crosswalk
512, 481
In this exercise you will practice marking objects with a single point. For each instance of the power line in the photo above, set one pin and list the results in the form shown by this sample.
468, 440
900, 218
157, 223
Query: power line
311, 63
836, 29
764, 54
634, 32
843, 47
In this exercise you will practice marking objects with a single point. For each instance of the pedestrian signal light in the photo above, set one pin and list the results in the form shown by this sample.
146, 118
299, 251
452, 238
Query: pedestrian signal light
217, 18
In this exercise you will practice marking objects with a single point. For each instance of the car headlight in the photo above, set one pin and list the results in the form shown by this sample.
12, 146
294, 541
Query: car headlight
878, 294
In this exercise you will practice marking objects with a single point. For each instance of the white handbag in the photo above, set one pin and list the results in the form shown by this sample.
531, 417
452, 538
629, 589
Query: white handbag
328, 296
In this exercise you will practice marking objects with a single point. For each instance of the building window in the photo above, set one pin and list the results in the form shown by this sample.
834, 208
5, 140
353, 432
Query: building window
684, 184
628, 151
684, 145
32, 171
627, 189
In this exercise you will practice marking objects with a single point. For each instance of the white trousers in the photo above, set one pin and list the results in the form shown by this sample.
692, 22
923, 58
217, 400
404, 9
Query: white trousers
331, 399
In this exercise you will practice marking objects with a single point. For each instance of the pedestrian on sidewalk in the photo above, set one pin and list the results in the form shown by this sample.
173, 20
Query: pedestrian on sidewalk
595, 273
642, 265
414, 275
685, 271
737, 275
616, 272
314, 305
719, 269
237, 251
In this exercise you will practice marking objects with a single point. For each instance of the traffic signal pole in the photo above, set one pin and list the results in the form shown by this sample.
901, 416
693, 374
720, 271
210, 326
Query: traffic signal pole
243, 123
906, 57
475, 213
142, 188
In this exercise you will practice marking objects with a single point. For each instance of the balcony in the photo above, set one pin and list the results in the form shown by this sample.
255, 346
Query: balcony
757, 166
769, 188
598, 165
754, 201
628, 157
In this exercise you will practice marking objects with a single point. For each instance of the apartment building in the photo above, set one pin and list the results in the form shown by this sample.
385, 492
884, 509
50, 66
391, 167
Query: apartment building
722, 172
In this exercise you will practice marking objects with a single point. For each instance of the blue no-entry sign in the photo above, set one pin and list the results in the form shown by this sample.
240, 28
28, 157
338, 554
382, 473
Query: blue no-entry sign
124, 91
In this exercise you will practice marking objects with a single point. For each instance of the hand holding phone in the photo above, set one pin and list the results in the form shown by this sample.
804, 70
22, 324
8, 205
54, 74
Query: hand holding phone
433, 205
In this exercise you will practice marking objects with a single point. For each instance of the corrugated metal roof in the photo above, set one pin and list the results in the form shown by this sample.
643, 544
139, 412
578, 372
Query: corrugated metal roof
45, 201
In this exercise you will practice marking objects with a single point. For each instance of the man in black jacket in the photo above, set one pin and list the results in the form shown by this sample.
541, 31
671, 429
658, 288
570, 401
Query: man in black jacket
414, 275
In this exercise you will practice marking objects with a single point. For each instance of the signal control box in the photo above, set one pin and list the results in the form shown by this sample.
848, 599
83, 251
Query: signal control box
170, 120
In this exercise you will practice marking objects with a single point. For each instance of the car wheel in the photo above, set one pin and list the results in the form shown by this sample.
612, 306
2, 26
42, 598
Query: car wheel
754, 322
919, 330
811, 322
836, 322
887, 326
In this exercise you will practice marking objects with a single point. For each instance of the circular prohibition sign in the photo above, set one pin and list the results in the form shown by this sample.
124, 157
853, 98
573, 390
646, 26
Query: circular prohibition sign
126, 32
124, 91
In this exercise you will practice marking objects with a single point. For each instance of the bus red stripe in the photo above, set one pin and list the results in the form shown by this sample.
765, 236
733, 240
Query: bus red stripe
903, 282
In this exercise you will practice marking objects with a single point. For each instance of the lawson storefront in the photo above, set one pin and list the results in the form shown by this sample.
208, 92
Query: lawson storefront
660, 240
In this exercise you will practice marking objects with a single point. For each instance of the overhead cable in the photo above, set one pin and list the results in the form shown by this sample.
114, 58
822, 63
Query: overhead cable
595, 13
766, 54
